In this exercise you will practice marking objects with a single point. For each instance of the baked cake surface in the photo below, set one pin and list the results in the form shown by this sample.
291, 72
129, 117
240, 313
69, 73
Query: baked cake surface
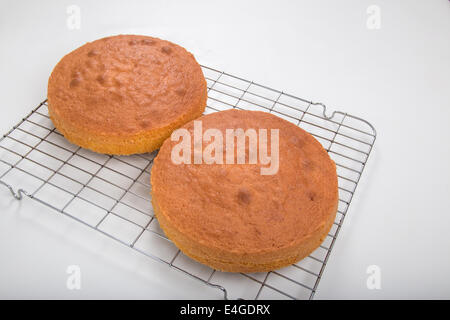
125, 94
231, 217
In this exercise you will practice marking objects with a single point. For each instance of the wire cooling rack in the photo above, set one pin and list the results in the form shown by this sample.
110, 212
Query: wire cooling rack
111, 194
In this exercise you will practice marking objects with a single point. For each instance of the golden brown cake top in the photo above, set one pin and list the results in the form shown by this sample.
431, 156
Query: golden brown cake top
232, 206
126, 84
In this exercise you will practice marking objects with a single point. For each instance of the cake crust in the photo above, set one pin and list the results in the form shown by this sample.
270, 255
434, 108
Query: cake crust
232, 218
125, 94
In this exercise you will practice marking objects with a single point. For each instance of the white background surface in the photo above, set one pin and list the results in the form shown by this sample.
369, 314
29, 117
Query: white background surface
397, 77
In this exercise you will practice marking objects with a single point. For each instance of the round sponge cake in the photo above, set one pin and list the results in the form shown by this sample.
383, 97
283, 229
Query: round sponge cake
231, 217
125, 94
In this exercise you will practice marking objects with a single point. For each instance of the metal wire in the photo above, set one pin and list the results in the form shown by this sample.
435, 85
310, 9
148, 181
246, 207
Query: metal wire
28, 150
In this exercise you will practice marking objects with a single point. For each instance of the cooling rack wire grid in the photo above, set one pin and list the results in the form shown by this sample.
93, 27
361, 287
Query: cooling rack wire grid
110, 194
